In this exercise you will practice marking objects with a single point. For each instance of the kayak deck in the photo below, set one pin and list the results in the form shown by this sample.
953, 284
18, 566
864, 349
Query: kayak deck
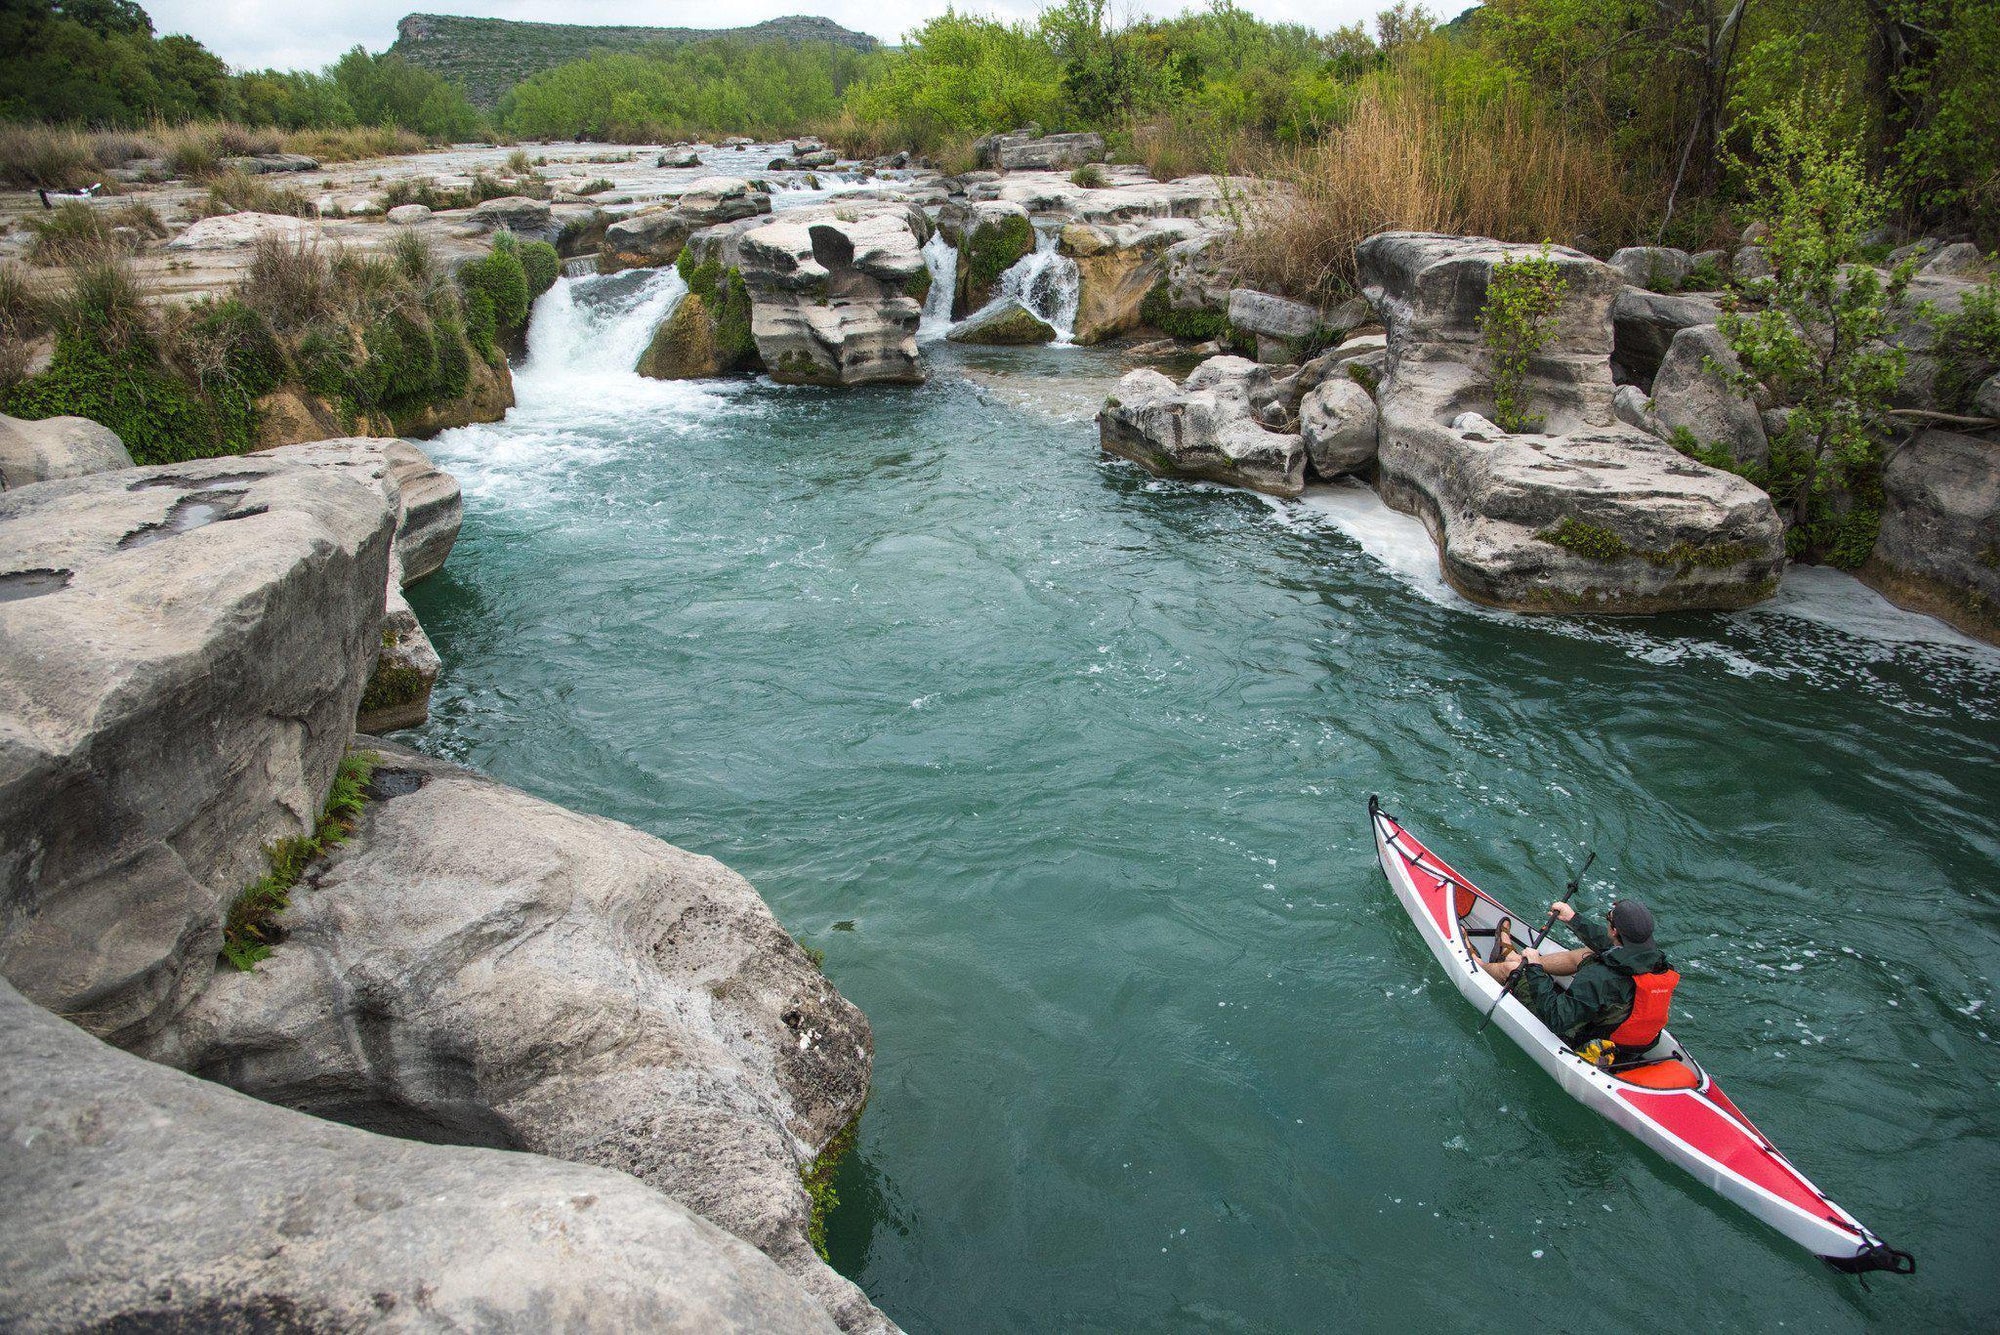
1662, 1096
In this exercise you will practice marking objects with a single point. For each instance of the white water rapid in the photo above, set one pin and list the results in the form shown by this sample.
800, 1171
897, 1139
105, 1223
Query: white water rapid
592, 329
1047, 283
941, 258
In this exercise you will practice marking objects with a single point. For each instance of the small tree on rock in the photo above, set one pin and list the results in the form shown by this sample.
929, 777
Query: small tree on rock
1814, 334
1523, 297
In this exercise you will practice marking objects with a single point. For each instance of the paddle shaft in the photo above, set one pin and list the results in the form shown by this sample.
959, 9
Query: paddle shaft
1547, 926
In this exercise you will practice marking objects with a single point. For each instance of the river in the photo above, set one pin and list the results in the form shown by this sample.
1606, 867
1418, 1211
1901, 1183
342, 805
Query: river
1064, 768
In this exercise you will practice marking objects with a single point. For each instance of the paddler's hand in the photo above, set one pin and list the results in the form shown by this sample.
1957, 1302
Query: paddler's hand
1529, 957
1563, 912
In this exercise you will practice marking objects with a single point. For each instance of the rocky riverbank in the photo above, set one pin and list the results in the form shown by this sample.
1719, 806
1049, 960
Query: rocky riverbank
442, 959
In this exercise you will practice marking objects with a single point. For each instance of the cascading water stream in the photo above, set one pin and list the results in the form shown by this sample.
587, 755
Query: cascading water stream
592, 330
1046, 283
941, 258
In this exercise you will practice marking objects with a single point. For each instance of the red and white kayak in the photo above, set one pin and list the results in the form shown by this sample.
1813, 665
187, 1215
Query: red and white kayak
1663, 1096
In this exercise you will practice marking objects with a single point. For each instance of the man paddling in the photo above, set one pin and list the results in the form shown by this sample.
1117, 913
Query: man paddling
1620, 982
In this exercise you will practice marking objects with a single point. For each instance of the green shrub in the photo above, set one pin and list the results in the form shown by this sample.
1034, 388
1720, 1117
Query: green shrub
250, 928
496, 296
1089, 176
728, 301
542, 265
1523, 297
1195, 326
1968, 344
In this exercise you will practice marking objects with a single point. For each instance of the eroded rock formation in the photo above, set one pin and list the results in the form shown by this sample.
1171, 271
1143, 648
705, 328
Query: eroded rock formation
139, 1198
1586, 514
1206, 428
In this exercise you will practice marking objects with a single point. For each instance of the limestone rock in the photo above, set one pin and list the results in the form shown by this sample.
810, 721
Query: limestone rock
678, 157
1337, 422
1939, 547
1007, 322
1986, 399
1960, 259
644, 241
1205, 428
1752, 263
1688, 394
429, 511
531, 219
56, 447
398, 693
991, 236
1026, 151
1631, 406
1660, 268
241, 231
829, 291
409, 215
1588, 514
477, 966
139, 1198
1644, 324
233, 608
720, 199
489, 393
1118, 265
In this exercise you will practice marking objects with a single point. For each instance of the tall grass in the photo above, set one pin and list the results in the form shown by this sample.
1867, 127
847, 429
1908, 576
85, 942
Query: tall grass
1413, 153
58, 157
23, 319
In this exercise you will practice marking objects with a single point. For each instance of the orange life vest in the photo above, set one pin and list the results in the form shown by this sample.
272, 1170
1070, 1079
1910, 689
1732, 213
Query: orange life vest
1652, 992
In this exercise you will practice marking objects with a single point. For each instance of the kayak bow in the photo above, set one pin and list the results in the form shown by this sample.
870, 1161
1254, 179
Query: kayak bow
1663, 1097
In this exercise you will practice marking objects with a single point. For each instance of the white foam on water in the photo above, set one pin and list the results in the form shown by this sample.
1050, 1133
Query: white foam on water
1399, 543
1046, 283
585, 337
941, 258
1838, 600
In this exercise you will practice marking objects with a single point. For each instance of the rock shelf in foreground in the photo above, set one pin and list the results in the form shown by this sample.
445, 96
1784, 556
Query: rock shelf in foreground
139, 1198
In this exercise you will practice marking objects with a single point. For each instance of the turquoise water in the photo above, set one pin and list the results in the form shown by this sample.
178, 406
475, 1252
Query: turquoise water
1064, 769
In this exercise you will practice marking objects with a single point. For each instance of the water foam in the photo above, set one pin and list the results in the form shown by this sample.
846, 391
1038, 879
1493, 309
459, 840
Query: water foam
941, 258
1046, 283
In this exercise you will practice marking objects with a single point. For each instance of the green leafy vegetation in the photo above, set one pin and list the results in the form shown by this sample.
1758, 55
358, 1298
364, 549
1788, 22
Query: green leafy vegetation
1968, 343
1586, 539
727, 302
1195, 326
1814, 334
1523, 297
250, 928
817, 1178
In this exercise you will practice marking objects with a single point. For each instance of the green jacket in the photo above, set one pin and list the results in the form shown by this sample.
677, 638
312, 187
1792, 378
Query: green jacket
1599, 998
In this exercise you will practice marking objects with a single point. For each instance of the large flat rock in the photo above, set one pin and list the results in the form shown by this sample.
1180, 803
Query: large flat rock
139, 1198
181, 652
1585, 514
480, 967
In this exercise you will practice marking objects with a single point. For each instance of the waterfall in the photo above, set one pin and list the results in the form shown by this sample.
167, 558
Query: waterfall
594, 328
941, 258
1046, 283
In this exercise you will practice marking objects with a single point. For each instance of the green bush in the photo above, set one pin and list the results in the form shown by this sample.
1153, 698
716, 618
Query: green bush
723, 292
496, 296
1195, 326
1523, 297
542, 265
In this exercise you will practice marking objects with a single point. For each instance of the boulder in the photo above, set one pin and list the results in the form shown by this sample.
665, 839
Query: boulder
721, 199
1658, 268
678, 158
1004, 322
1960, 259
1022, 150
1586, 514
829, 292
56, 447
1286, 330
991, 237
1631, 406
531, 219
1644, 323
1206, 428
398, 693
234, 609
1986, 399
1752, 263
1118, 266
1692, 393
1915, 250
647, 240
241, 231
1938, 551
140, 1198
409, 215
684, 347
1337, 423
477, 966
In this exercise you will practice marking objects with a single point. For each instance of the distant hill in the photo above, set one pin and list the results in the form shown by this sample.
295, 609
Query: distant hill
489, 56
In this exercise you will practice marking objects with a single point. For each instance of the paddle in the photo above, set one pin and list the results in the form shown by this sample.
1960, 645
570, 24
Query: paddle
1539, 937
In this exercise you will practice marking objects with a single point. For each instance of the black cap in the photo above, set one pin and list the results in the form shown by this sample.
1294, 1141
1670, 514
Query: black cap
1633, 920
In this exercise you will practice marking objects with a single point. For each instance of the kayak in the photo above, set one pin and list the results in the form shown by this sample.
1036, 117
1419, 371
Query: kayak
1662, 1095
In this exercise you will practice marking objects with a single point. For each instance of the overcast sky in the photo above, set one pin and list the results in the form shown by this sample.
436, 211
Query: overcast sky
289, 34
